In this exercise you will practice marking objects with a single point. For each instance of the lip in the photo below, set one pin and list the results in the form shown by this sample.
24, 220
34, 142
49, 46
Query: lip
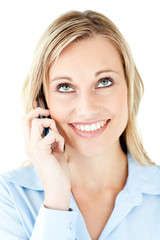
93, 134
87, 123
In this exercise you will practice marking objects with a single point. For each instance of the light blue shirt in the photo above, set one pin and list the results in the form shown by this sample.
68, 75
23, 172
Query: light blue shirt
136, 214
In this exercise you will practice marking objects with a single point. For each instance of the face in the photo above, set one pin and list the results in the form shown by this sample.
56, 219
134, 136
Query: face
87, 87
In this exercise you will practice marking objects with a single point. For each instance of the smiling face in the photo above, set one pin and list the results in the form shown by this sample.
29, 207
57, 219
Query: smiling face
87, 85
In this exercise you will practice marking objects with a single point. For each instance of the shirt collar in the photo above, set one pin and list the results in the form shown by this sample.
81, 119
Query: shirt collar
25, 177
146, 178
142, 179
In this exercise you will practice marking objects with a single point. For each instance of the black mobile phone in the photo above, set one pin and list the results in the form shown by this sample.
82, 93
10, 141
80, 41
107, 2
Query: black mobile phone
42, 103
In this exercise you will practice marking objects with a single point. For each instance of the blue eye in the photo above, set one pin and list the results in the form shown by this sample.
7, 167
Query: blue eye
106, 82
65, 87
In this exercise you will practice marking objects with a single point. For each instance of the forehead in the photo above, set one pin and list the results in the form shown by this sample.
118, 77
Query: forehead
87, 54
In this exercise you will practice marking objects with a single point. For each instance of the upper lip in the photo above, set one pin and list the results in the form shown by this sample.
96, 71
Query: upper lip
88, 123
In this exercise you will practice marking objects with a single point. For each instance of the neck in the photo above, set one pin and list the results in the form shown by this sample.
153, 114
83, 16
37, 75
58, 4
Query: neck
108, 170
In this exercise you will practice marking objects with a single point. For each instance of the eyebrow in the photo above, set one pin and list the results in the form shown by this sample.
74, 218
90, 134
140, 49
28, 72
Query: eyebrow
70, 79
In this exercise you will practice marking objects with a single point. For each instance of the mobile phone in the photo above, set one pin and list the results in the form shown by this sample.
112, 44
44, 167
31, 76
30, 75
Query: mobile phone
42, 103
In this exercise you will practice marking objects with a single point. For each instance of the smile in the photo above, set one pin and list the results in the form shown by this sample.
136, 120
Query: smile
90, 130
90, 127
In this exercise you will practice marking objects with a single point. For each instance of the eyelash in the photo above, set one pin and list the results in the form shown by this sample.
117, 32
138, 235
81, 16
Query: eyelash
67, 84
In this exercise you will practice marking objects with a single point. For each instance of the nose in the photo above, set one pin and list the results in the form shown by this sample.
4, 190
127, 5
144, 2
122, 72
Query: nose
87, 106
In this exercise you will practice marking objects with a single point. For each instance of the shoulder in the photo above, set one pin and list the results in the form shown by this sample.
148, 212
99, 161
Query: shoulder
150, 179
21, 195
24, 177
148, 176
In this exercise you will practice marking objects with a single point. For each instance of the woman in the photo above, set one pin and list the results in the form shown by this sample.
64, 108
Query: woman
89, 175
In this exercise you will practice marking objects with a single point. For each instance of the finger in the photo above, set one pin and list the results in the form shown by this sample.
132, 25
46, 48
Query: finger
38, 125
25, 128
26, 120
37, 112
37, 128
55, 140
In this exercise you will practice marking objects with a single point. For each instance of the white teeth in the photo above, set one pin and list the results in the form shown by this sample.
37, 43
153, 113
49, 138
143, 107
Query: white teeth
102, 123
98, 125
82, 127
87, 128
92, 127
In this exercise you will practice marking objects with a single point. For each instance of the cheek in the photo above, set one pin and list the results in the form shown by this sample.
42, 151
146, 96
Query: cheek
123, 110
122, 104
58, 110
119, 105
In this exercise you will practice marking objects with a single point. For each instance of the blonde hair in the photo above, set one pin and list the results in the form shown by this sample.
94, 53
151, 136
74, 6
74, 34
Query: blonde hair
74, 26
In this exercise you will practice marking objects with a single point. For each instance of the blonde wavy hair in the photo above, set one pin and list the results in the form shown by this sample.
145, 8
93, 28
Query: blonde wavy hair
74, 26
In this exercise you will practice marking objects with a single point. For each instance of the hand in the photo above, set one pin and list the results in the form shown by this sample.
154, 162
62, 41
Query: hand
48, 158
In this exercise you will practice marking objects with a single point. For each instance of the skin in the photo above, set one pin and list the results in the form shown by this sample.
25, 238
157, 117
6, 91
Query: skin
98, 163
97, 167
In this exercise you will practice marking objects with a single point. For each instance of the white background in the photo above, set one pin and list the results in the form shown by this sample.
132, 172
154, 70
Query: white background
21, 25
